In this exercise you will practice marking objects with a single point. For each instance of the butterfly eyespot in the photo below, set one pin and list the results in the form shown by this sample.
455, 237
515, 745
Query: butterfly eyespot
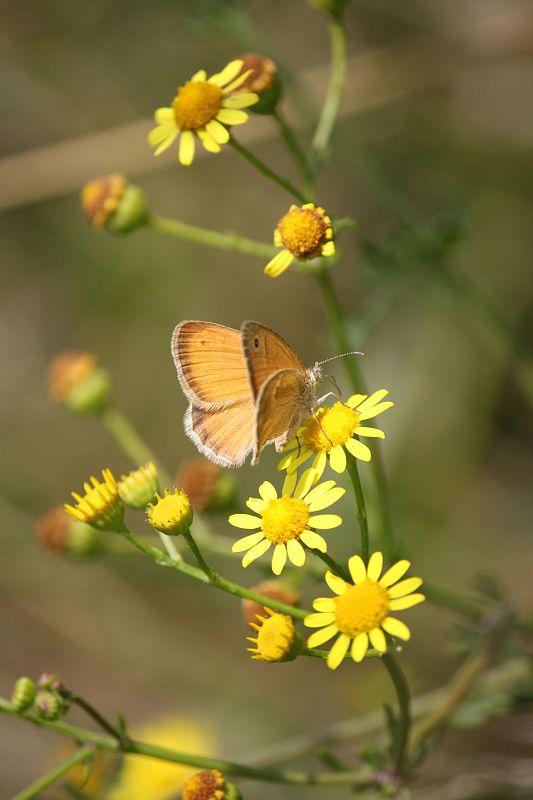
256, 343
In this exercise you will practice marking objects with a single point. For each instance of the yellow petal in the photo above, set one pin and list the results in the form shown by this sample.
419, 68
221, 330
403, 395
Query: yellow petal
279, 264
186, 151
279, 558
374, 398
335, 583
219, 133
395, 572
396, 628
355, 400
296, 458
289, 484
359, 647
208, 142
401, 603
337, 458
328, 249
256, 504
319, 464
256, 552
377, 639
373, 411
338, 651
326, 499
357, 568
325, 486
372, 432
375, 565
324, 604
305, 483
267, 491
231, 116
244, 521
319, 620
201, 75
358, 450
229, 72
246, 542
296, 552
405, 587
315, 540
242, 100
324, 521
323, 635
239, 80
163, 115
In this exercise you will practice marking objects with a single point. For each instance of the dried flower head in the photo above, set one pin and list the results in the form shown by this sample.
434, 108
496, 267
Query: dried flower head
208, 487
60, 534
275, 590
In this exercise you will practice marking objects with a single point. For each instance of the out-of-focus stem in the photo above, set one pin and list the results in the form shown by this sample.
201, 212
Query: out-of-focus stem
222, 241
330, 109
404, 708
266, 171
362, 516
34, 791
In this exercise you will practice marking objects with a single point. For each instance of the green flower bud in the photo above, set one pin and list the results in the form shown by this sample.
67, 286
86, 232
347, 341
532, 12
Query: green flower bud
139, 487
131, 212
111, 202
23, 694
49, 704
59, 534
79, 383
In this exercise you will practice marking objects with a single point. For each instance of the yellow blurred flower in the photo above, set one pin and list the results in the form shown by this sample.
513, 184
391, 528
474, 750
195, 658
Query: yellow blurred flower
276, 638
152, 779
101, 505
203, 107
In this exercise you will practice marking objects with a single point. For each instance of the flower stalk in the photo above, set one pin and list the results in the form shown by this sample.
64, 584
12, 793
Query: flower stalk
80, 756
401, 734
266, 171
362, 516
330, 109
230, 242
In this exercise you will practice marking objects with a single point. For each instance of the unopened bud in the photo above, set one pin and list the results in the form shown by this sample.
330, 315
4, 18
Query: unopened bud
263, 80
76, 380
23, 694
111, 202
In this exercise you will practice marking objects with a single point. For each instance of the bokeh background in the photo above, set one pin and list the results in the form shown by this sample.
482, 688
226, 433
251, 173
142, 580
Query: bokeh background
434, 158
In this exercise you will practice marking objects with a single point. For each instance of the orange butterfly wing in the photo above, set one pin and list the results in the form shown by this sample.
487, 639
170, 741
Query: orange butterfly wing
283, 399
223, 435
210, 364
265, 352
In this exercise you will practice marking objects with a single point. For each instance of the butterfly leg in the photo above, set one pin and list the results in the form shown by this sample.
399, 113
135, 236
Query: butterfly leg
317, 420
325, 397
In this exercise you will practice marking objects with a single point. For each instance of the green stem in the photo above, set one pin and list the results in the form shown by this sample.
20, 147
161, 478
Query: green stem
78, 757
230, 768
334, 566
453, 601
269, 173
293, 145
330, 109
202, 563
222, 241
216, 581
401, 687
95, 715
135, 448
362, 516
336, 320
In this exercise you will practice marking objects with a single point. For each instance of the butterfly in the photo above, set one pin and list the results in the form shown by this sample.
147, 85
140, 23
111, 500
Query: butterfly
247, 388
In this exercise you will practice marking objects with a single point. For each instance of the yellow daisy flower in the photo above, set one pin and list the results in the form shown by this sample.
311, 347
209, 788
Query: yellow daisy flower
304, 232
203, 106
101, 505
276, 637
360, 612
339, 426
287, 522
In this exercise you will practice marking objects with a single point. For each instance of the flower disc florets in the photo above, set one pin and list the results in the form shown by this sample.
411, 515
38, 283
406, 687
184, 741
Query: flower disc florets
171, 514
206, 785
101, 505
359, 613
287, 522
277, 638
304, 232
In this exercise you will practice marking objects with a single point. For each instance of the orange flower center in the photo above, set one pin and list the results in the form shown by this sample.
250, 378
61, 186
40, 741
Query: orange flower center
361, 608
337, 425
196, 104
303, 232
285, 518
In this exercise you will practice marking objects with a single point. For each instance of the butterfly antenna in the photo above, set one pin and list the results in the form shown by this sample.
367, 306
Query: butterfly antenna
341, 355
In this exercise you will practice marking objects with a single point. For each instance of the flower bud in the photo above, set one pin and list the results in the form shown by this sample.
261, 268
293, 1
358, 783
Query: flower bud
276, 590
277, 638
207, 486
49, 705
171, 514
59, 535
23, 694
333, 7
76, 380
139, 487
101, 505
49, 680
111, 202
263, 80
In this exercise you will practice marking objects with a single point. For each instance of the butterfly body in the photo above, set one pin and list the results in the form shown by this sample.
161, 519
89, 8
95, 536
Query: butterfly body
246, 388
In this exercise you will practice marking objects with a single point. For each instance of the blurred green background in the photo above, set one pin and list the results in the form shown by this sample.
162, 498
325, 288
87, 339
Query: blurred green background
434, 158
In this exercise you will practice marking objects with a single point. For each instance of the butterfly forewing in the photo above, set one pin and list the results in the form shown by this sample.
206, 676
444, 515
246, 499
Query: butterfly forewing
279, 407
224, 436
210, 363
265, 353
